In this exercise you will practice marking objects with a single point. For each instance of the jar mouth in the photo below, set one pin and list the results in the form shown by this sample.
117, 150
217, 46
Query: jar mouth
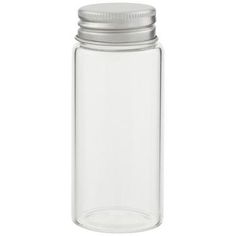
117, 23
118, 47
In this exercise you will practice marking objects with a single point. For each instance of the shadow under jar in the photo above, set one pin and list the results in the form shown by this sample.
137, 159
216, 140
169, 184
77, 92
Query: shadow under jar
117, 162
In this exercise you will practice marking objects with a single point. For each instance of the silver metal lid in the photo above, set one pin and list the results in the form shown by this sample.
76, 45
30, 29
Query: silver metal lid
117, 23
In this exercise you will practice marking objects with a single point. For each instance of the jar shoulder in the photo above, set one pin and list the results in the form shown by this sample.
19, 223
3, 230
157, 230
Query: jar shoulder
154, 46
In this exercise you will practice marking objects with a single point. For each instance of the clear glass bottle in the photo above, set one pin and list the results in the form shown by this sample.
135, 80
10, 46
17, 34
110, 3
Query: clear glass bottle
117, 163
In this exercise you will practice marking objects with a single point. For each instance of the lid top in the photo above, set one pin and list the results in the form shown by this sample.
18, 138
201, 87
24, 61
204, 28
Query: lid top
116, 7
114, 12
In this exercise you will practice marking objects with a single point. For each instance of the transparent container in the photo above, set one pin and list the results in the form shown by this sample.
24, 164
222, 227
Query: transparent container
117, 162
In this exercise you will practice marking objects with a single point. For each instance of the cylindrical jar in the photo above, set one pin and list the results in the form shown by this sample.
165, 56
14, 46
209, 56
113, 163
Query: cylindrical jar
117, 162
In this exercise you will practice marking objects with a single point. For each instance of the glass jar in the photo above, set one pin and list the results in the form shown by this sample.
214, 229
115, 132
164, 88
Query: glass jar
117, 162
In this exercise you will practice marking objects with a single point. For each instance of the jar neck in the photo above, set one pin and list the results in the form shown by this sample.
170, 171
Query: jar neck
102, 46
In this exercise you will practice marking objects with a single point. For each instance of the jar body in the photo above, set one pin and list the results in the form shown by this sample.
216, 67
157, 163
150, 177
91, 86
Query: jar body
117, 153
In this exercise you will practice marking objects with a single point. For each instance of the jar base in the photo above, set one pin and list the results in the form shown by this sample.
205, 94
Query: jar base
117, 220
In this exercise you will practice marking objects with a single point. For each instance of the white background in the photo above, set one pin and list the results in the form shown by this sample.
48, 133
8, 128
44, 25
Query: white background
36, 38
